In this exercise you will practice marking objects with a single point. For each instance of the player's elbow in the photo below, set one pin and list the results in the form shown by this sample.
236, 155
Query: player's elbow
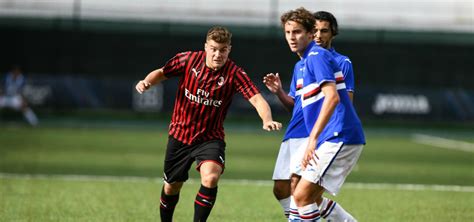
334, 99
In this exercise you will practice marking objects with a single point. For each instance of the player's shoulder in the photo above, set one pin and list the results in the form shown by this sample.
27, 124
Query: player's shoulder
318, 54
231, 66
318, 50
185, 53
190, 53
340, 58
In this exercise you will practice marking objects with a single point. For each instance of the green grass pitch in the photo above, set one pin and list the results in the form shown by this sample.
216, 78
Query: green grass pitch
36, 165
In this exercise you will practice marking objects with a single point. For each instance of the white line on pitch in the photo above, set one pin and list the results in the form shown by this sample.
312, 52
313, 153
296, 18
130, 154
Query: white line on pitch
443, 142
244, 182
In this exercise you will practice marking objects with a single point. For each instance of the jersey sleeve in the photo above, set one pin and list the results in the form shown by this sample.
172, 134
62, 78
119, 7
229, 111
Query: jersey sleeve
347, 71
244, 85
176, 66
292, 92
323, 66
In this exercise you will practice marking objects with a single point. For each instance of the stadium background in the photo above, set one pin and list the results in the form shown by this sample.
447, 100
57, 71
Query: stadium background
98, 150
410, 63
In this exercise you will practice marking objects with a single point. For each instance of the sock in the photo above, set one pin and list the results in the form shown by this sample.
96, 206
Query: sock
205, 199
167, 205
30, 117
285, 204
331, 211
309, 213
294, 214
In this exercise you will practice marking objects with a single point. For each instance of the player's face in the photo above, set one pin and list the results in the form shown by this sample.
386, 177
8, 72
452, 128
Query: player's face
323, 35
216, 54
297, 37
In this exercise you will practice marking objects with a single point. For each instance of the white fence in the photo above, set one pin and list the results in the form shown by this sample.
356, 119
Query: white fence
436, 15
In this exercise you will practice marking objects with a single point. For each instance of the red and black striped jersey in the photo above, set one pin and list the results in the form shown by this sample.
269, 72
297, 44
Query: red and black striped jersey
203, 96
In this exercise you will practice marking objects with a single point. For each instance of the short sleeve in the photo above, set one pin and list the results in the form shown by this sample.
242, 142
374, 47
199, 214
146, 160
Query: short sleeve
292, 92
323, 66
176, 65
244, 85
347, 71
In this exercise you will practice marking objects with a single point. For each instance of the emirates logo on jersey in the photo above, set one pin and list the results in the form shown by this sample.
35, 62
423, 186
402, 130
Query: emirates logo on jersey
202, 97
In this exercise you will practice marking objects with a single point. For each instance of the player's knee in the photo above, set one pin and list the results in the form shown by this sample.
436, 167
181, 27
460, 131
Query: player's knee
210, 180
301, 197
172, 188
281, 189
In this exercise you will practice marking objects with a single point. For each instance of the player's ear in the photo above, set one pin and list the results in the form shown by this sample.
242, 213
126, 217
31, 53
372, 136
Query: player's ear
205, 46
229, 47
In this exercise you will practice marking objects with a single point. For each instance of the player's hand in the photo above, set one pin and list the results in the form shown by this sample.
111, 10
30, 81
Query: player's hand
142, 86
272, 82
310, 157
272, 126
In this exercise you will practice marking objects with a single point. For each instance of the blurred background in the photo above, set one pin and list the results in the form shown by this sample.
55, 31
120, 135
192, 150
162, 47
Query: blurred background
412, 59
99, 144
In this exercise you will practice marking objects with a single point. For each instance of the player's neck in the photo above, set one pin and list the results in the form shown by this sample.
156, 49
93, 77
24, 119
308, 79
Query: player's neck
301, 53
211, 67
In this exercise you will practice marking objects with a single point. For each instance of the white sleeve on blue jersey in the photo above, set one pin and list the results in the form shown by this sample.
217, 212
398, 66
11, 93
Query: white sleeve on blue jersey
323, 66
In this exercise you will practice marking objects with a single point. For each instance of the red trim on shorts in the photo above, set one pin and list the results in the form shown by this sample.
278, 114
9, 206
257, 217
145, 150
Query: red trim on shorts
198, 167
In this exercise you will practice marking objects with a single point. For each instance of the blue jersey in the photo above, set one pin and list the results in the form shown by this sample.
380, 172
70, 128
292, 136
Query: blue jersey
14, 85
346, 67
296, 127
344, 124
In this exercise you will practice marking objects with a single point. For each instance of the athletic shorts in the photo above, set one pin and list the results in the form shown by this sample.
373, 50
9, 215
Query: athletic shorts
335, 162
180, 157
289, 158
12, 102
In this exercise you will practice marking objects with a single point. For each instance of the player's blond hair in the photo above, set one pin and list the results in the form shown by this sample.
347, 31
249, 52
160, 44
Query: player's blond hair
219, 34
301, 16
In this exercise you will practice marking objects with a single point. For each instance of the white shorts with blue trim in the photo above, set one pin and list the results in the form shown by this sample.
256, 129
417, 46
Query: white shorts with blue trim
335, 162
289, 158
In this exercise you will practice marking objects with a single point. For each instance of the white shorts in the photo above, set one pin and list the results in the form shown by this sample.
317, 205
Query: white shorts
12, 102
335, 162
289, 158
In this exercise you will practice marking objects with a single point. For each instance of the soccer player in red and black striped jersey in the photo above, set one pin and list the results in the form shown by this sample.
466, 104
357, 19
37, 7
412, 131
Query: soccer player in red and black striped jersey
207, 82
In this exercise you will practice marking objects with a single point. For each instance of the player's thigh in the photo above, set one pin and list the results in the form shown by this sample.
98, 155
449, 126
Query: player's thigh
344, 162
281, 170
289, 158
178, 160
326, 153
298, 148
337, 171
210, 151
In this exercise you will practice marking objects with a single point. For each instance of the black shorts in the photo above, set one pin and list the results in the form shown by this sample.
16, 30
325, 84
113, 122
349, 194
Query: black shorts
180, 157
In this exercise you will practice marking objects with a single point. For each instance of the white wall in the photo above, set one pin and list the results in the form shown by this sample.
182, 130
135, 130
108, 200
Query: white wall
438, 15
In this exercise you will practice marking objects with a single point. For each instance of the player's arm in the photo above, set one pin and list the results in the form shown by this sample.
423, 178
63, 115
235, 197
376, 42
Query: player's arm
348, 73
154, 77
273, 83
265, 113
351, 95
331, 99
